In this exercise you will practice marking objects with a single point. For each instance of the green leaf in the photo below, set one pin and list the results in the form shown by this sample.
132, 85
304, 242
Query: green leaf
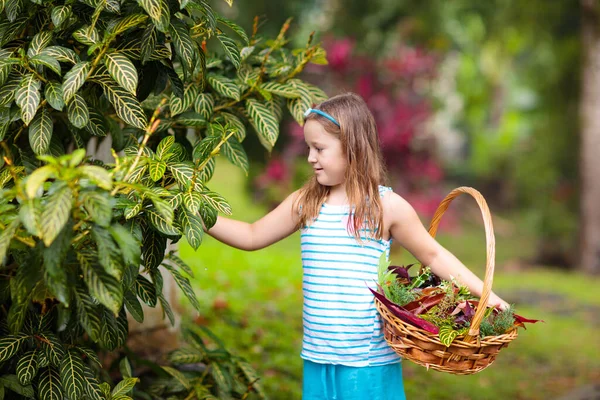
128, 108
145, 290
163, 150
28, 97
9, 89
153, 248
98, 207
205, 147
184, 285
30, 214
129, 245
6, 236
207, 172
235, 153
27, 367
87, 35
72, 375
125, 368
231, 49
103, 287
49, 387
216, 201
10, 345
148, 43
162, 224
54, 95
77, 112
91, 386
318, 96
40, 132
250, 374
192, 228
156, 169
56, 211
124, 387
109, 334
62, 54
53, 348
185, 356
224, 86
126, 23
190, 118
236, 124
184, 46
172, 257
178, 376
178, 105
98, 175
183, 173
46, 61
108, 253
122, 70
89, 313
96, 124
133, 306
234, 27
264, 122
447, 335
56, 277
204, 104
158, 11
12, 383
60, 14
39, 42
286, 90
74, 79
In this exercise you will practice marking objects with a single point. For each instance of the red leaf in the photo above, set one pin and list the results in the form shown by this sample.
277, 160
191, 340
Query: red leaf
406, 316
424, 303
518, 318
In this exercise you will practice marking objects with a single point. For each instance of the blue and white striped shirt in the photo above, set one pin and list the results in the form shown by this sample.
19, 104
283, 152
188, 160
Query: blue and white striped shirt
341, 323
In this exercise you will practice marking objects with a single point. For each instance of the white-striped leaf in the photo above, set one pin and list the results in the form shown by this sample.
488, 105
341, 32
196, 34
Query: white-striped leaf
88, 310
113, 6
54, 95
190, 118
216, 201
192, 201
185, 356
10, 344
184, 285
162, 224
103, 287
133, 306
286, 90
264, 122
235, 153
246, 52
234, 27
74, 79
62, 54
46, 61
49, 387
298, 107
98, 175
9, 89
276, 107
447, 335
124, 387
184, 46
96, 124
178, 105
236, 124
77, 111
122, 70
128, 108
224, 86
146, 291
13, 9
56, 212
129, 21
27, 367
153, 8
72, 375
28, 97
185, 382
91, 387
87, 35
40, 132
163, 150
222, 377
156, 169
318, 95
204, 104
38, 43
60, 14
207, 172
231, 49
183, 173
192, 228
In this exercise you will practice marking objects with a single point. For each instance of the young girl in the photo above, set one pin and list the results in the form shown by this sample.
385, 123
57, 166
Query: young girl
347, 220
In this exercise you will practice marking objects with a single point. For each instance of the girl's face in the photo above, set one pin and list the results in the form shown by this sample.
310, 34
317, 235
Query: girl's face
326, 155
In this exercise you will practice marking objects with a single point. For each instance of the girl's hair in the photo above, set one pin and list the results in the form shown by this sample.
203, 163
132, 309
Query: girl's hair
365, 171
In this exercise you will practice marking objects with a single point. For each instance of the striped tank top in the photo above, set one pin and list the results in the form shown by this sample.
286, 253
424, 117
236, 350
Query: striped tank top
341, 324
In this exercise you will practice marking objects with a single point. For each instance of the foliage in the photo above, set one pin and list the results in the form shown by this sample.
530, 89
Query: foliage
173, 84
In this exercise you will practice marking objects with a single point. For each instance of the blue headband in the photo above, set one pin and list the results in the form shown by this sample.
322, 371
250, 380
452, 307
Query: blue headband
321, 113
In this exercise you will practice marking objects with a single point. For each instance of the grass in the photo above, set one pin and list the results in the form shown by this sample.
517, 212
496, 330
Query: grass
253, 301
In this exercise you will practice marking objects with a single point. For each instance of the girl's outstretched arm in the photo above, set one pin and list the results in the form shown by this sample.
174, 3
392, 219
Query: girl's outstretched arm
276, 225
406, 228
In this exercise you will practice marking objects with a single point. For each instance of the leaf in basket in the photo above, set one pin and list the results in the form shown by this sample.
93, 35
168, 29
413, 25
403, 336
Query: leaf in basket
520, 319
406, 316
401, 272
447, 335
423, 304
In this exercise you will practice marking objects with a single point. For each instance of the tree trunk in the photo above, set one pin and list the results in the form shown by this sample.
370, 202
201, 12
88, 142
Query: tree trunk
590, 139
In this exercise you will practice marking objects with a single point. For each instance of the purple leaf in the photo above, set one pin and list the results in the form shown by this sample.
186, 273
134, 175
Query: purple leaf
406, 316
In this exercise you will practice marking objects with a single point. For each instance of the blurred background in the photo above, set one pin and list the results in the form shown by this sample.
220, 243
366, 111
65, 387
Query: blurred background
501, 95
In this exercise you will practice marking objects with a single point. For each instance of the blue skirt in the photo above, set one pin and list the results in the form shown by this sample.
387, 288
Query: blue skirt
339, 382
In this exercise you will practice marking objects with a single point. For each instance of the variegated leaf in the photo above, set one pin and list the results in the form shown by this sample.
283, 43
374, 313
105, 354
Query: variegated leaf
234, 27
224, 86
49, 387
264, 122
60, 14
286, 90
27, 367
128, 108
39, 42
28, 97
236, 124
56, 212
146, 291
40, 132
235, 153
184, 46
133, 306
74, 79
77, 111
163, 150
72, 375
184, 285
231, 49
87, 35
54, 95
163, 225
216, 201
103, 287
127, 22
122, 70
62, 54
178, 105
156, 169
204, 104
46, 61
96, 125
192, 228
10, 345
183, 173
447, 335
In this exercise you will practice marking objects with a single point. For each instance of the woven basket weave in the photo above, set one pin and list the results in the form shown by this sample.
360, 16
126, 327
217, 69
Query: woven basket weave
467, 354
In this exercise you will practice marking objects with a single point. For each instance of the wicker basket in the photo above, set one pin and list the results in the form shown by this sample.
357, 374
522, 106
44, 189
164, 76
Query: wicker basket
467, 354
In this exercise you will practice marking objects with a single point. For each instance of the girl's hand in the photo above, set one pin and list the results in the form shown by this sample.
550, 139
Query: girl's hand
495, 301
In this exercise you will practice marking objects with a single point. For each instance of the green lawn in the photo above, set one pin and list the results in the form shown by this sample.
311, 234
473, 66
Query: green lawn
253, 301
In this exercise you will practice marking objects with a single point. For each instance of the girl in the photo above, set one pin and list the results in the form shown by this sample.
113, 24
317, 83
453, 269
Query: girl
347, 220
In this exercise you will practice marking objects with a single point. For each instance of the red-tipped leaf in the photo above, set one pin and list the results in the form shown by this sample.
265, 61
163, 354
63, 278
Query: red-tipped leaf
406, 316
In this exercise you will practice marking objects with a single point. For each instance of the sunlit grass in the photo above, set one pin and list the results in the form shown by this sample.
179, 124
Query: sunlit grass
253, 301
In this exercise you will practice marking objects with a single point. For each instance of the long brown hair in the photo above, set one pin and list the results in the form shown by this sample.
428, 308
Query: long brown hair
365, 171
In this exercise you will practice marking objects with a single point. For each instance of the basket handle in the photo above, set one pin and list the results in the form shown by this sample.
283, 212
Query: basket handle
490, 247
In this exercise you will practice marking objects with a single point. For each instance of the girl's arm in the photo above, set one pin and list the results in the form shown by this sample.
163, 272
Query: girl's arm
406, 228
276, 225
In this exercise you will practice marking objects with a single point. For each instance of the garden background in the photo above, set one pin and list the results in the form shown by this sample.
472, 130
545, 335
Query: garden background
464, 93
